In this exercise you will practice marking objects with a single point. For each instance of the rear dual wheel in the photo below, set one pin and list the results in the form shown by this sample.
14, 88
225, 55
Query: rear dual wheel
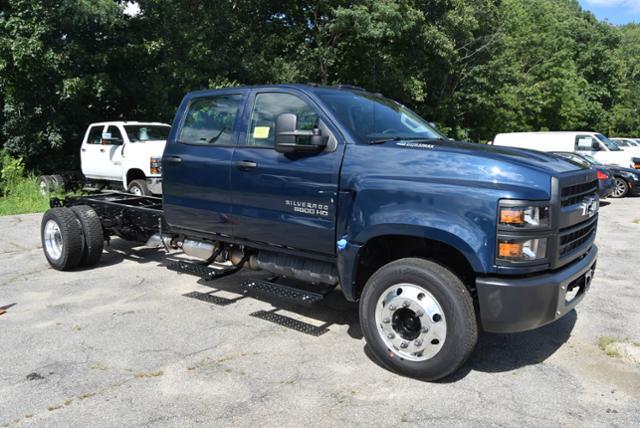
418, 318
72, 237
50, 183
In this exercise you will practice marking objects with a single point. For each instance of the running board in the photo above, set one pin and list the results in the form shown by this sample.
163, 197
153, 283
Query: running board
267, 289
204, 272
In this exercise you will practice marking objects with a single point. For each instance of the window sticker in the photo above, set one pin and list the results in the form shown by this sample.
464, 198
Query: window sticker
261, 132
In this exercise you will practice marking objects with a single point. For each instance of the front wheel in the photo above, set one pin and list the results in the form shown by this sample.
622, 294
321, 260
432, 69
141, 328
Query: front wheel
139, 188
418, 318
620, 188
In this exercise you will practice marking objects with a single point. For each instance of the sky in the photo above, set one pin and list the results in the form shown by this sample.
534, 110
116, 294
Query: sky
614, 11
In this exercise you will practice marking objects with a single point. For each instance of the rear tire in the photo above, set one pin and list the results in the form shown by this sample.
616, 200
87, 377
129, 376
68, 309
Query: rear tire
93, 234
418, 318
45, 185
61, 237
620, 188
139, 188
58, 182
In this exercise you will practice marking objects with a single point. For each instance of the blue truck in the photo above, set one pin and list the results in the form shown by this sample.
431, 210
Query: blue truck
339, 187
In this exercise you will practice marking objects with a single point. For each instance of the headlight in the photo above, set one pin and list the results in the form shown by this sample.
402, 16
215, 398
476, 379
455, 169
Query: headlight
524, 216
522, 250
155, 166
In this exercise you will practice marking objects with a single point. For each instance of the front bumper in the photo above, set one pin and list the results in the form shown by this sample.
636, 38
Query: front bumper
155, 185
512, 305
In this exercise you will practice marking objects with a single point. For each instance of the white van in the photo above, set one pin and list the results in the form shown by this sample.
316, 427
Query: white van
585, 142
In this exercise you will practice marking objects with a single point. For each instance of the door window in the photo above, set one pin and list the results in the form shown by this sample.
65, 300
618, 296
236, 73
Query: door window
210, 120
95, 135
115, 136
268, 106
584, 143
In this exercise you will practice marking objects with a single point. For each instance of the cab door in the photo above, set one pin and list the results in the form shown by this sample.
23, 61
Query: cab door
284, 199
196, 189
111, 153
92, 153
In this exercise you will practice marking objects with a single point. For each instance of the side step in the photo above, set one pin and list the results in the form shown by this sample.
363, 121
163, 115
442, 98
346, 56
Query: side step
267, 289
204, 272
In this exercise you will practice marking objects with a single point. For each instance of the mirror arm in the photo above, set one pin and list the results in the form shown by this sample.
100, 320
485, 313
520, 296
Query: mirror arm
297, 133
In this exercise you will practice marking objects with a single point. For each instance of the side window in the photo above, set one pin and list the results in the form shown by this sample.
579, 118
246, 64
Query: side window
210, 120
116, 135
95, 135
584, 143
268, 107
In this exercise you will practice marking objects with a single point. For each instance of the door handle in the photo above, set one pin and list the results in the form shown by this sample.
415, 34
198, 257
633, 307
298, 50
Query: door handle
246, 164
84, 150
101, 150
173, 159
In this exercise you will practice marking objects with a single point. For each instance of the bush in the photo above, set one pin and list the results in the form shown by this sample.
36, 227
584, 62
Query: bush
20, 193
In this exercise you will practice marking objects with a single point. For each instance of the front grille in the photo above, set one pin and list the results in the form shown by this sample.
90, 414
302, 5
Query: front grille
575, 236
572, 195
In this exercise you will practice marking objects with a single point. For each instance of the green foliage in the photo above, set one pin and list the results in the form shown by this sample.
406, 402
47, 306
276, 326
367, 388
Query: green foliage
476, 67
20, 194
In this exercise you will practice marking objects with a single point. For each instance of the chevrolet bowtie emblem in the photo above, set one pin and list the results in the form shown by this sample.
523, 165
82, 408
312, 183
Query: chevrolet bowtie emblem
589, 206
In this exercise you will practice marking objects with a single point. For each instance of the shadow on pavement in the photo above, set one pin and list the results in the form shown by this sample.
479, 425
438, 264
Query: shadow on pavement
494, 352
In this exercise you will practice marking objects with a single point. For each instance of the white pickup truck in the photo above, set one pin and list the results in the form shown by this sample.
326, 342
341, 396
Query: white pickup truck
121, 155
125, 154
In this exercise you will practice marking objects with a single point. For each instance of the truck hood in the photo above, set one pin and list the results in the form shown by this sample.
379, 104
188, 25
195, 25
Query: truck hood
534, 159
470, 168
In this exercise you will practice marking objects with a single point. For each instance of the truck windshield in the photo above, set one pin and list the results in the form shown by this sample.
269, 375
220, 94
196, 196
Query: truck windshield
141, 133
373, 118
607, 142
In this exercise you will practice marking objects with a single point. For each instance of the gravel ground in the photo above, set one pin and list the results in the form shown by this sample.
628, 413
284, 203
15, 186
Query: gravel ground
121, 344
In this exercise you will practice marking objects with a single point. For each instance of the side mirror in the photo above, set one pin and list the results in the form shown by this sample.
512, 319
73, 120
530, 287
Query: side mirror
288, 136
595, 146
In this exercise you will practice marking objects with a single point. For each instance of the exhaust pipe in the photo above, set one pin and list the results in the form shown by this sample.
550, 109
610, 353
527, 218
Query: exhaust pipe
198, 249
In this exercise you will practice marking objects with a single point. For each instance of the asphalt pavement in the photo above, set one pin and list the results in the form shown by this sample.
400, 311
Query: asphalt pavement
130, 342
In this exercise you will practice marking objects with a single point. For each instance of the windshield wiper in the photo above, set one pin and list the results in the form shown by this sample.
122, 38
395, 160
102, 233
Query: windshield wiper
386, 140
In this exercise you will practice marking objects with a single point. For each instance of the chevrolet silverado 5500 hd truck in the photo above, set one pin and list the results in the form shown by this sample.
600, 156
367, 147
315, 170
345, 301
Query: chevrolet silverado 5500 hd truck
337, 186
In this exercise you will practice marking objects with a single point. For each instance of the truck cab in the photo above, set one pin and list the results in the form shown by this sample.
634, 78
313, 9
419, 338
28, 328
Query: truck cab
339, 187
125, 155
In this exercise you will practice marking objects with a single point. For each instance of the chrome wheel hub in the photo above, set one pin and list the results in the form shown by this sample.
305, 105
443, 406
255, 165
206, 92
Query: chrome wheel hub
136, 191
619, 187
43, 188
53, 240
411, 322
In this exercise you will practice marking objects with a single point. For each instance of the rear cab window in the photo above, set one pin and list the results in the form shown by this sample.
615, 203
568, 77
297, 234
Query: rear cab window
95, 134
210, 120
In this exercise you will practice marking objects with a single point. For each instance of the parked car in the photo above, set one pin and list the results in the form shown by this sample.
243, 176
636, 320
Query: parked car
125, 155
337, 185
605, 177
626, 181
590, 143
628, 145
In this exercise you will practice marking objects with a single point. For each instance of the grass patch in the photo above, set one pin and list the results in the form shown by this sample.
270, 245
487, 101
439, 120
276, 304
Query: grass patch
605, 341
23, 197
19, 191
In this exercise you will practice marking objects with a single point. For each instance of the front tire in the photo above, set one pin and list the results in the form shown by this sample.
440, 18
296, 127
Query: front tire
620, 188
61, 236
138, 188
418, 318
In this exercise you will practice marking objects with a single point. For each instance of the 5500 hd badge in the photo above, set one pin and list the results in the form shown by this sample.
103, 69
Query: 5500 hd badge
311, 208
